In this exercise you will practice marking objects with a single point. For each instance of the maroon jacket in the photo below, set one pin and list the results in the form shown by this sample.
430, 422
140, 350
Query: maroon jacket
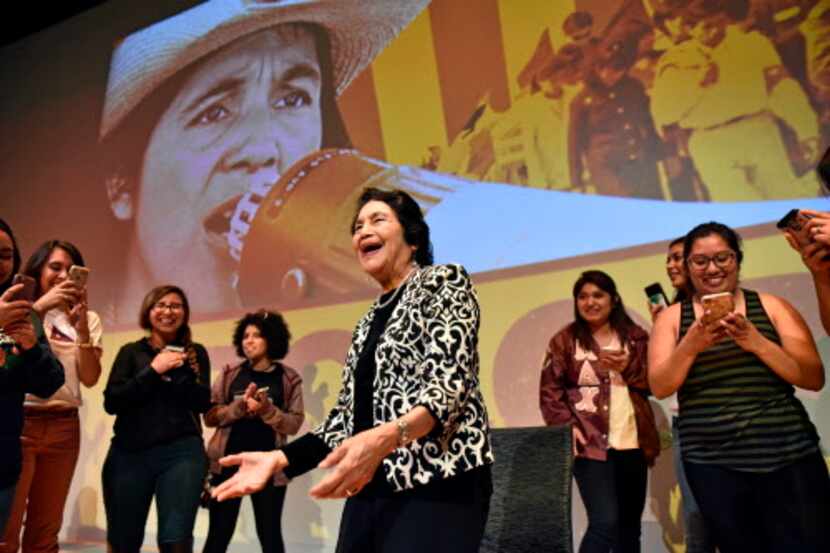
226, 411
565, 400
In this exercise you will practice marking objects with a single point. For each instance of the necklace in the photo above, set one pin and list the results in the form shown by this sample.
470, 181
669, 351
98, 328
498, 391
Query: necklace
391, 298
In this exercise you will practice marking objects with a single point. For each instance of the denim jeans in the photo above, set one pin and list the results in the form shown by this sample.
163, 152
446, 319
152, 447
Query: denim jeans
173, 472
614, 494
698, 539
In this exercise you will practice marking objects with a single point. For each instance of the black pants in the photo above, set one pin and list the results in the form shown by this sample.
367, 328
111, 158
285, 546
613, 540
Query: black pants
614, 494
267, 513
786, 510
413, 522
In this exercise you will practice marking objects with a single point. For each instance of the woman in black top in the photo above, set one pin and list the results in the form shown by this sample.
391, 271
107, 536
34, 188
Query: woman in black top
407, 440
257, 404
26, 366
157, 388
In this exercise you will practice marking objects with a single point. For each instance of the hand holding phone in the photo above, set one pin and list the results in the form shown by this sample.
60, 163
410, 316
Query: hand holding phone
27, 292
716, 307
795, 223
613, 358
656, 296
11, 309
169, 358
79, 275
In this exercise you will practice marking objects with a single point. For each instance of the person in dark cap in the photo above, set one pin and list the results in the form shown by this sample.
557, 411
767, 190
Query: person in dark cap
611, 132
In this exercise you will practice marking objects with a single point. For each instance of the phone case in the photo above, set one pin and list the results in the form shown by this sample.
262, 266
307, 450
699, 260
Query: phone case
78, 275
28, 291
795, 221
718, 306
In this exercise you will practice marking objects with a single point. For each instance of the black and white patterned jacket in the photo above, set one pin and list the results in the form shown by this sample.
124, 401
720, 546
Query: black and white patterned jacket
427, 355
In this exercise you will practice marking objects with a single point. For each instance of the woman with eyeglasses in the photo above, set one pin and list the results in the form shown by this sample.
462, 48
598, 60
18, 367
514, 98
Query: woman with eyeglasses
157, 388
695, 534
750, 452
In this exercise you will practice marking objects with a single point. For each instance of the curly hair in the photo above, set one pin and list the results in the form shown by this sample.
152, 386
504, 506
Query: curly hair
271, 326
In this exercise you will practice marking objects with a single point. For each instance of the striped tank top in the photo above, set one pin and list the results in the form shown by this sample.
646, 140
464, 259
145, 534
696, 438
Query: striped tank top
735, 411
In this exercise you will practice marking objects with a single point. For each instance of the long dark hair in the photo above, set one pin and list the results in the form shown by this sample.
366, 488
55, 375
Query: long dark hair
183, 335
4, 226
681, 294
619, 320
34, 265
415, 228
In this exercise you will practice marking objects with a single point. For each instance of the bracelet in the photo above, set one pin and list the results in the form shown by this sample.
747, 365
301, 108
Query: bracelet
403, 432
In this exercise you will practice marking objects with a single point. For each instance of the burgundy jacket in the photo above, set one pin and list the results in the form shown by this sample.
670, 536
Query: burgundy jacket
564, 399
226, 411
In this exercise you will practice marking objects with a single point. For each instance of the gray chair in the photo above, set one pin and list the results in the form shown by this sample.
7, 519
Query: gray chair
530, 510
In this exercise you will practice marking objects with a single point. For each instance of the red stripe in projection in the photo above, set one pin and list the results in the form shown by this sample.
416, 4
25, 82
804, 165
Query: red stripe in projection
359, 107
470, 57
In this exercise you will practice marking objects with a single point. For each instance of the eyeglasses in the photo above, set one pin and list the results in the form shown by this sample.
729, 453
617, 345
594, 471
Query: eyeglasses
700, 262
168, 306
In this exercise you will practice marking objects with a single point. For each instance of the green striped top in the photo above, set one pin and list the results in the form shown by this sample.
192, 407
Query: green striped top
735, 411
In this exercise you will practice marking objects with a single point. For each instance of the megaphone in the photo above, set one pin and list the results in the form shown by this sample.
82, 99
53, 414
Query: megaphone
298, 248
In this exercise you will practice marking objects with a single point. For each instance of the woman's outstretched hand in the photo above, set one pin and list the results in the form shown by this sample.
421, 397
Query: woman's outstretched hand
256, 468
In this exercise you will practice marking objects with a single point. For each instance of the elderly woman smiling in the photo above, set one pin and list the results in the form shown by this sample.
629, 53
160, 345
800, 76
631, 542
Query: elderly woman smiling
408, 438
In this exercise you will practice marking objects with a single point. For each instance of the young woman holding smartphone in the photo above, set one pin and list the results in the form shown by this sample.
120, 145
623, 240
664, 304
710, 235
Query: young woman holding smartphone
594, 378
51, 437
157, 388
258, 403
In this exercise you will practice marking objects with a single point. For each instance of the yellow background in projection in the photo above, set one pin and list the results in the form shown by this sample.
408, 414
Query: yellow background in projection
521, 25
409, 94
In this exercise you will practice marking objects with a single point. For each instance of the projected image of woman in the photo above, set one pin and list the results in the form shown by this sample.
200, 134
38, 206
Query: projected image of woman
192, 151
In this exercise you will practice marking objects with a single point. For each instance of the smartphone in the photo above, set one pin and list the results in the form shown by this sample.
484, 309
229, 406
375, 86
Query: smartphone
656, 295
176, 349
28, 291
79, 275
718, 305
795, 222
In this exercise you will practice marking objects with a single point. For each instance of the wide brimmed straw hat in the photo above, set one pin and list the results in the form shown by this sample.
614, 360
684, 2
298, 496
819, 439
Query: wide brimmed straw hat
358, 30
